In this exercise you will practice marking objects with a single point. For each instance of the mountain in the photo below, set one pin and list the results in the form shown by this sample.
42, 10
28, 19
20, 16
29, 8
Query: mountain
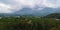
47, 11
43, 12
57, 10
28, 11
24, 11
31, 12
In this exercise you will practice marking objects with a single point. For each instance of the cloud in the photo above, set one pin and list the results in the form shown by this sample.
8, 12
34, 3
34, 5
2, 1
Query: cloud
9, 6
33, 3
4, 8
52, 3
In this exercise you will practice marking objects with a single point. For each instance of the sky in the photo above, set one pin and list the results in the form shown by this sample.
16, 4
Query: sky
10, 6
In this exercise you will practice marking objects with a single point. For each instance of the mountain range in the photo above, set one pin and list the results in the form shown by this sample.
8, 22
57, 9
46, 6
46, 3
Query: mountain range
43, 12
31, 12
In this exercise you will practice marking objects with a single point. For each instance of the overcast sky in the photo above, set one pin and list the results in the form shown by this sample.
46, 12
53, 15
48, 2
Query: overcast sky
9, 6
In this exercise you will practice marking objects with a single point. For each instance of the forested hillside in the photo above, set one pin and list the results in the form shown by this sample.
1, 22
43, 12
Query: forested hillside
53, 15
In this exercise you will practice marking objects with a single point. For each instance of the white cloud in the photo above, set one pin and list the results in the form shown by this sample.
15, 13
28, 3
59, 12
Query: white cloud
52, 3
40, 3
4, 8
9, 6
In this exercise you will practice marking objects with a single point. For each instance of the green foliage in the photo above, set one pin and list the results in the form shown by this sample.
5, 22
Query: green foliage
29, 23
53, 15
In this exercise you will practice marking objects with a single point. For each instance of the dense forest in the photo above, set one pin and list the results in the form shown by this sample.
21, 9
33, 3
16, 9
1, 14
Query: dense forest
29, 23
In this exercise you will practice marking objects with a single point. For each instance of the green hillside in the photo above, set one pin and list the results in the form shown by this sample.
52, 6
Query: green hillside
53, 15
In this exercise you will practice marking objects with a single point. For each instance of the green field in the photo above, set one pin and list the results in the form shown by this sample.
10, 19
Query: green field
29, 23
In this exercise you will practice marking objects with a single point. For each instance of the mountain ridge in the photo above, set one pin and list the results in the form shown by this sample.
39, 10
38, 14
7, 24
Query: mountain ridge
29, 11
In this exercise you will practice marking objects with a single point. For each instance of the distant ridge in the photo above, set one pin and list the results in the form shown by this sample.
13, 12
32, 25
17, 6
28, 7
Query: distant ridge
30, 12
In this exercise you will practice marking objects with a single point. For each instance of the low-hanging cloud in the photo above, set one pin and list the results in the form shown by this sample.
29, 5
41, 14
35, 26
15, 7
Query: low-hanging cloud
9, 6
